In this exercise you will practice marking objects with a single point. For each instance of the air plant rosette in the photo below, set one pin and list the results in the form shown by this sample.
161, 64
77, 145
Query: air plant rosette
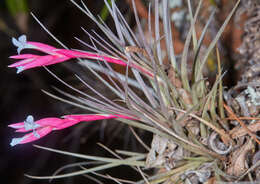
194, 136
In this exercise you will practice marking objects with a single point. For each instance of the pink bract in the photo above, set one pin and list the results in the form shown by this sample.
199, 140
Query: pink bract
42, 127
56, 55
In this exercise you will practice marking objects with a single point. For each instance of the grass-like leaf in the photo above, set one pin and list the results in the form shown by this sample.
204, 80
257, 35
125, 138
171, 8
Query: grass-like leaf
215, 40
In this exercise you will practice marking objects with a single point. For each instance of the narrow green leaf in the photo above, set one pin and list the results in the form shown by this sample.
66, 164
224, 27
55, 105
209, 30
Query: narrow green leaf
215, 40
184, 59
76, 173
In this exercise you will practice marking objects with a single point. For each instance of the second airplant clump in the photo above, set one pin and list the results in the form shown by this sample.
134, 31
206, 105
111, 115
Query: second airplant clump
193, 141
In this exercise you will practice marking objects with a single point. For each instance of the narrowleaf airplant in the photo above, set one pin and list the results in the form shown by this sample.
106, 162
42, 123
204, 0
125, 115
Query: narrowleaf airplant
193, 140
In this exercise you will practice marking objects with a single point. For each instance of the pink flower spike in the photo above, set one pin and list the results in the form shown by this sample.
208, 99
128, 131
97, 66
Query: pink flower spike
55, 55
37, 129
42, 127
